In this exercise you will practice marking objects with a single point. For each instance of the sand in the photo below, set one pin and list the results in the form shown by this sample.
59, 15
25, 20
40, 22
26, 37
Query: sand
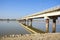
37, 36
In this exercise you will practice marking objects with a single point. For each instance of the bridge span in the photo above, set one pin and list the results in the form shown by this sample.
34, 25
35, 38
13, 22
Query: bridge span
52, 13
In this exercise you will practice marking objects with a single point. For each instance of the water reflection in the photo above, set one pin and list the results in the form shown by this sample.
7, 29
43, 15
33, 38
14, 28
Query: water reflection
11, 27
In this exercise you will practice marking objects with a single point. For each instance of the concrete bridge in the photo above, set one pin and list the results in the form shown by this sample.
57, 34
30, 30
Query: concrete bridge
52, 13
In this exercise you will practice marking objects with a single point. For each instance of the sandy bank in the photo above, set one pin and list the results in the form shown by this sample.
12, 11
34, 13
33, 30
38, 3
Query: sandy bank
37, 36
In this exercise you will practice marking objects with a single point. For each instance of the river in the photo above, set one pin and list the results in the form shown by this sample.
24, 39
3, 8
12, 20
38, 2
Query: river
11, 27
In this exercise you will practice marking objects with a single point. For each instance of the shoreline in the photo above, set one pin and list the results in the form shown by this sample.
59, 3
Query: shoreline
36, 36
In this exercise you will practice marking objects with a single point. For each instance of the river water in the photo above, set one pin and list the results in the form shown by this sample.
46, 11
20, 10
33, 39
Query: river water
13, 27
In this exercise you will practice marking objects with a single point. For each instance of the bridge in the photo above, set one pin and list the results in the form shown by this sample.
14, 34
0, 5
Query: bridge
52, 13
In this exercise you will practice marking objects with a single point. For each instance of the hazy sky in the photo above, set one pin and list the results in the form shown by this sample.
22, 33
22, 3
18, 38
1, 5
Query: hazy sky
21, 8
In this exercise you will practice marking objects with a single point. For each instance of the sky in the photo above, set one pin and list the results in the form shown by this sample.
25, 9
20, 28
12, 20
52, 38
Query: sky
20, 8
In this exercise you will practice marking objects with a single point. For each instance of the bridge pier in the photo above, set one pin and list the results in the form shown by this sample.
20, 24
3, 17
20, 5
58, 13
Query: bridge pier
27, 22
54, 26
30, 23
24, 21
47, 25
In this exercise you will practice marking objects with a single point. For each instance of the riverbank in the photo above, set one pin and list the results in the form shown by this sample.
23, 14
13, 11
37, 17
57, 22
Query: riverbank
37, 36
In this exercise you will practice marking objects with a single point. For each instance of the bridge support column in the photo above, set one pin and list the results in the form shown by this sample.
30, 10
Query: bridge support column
30, 22
27, 23
24, 21
54, 26
47, 25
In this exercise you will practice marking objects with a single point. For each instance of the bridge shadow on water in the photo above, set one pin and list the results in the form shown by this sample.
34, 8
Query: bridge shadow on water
34, 29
